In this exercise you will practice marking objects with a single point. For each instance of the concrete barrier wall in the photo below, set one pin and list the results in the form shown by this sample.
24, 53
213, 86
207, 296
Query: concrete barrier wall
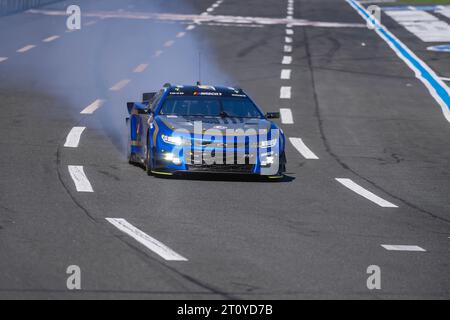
13, 6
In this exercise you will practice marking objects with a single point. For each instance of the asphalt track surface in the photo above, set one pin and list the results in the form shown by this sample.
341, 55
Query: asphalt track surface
354, 104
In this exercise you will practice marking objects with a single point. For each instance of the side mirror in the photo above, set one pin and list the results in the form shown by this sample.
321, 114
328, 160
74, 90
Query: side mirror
143, 111
273, 115
147, 97
139, 108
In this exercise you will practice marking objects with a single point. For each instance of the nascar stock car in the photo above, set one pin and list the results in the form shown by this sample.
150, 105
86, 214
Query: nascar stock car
204, 129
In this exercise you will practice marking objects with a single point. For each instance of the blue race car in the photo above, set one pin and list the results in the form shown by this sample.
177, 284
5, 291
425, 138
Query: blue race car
204, 129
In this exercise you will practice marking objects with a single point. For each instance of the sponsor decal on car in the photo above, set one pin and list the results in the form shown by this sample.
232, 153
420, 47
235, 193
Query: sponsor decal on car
207, 94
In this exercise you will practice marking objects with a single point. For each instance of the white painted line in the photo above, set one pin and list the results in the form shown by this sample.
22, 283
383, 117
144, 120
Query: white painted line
287, 60
141, 68
424, 25
445, 11
198, 19
169, 43
50, 39
289, 32
190, 27
93, 106
120, 85
158, 53
286, 116
303, 149
288, 39
73, 138
181, 34
79, 178
210, 9
437, 88
90, 23
285, 93
3, 59
445, 79
365, 193
285, 74
26, 48
402, 248
150, 243
287, 49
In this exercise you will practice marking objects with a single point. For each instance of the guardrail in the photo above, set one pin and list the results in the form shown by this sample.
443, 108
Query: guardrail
13, 6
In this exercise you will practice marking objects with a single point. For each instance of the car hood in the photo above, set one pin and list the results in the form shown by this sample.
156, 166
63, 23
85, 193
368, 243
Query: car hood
219, 123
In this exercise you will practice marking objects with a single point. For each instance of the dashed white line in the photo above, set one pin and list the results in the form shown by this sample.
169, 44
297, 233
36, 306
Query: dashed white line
73, 138
50, 39
289, 32
287, 49
150, 243
286, 116
181, 34
26, 48
190, 27
303, 149
90, 23
158, 53
390, 247
285, 93
79, 178
141, 68
90, 109
3, 59
287, 60
288, 39
120, 85
285, 74
169, 43
365, 193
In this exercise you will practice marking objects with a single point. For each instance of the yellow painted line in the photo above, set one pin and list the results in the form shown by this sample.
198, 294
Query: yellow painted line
163, 173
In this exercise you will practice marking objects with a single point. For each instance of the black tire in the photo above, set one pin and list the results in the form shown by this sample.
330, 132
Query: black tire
148, 163
282, 164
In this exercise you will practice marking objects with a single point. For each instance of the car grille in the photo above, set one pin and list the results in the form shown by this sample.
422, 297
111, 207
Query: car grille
222, 168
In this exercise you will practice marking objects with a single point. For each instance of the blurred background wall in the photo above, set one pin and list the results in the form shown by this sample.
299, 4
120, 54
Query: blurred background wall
12, 6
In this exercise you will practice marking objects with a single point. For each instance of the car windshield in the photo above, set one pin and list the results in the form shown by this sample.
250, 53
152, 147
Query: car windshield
210, 106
